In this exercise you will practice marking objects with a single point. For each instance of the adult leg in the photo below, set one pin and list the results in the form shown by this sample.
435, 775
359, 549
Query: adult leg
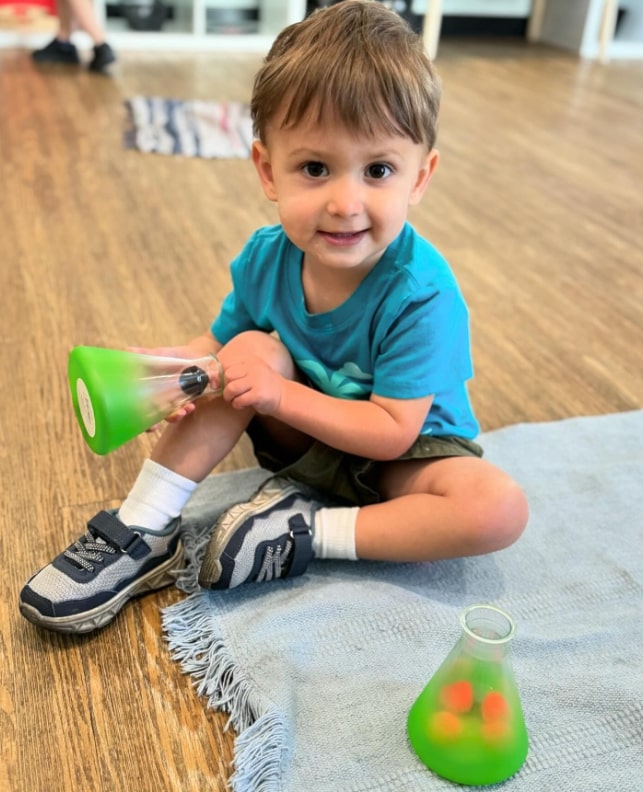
84, 16
82, 13
72, 14
65, 20
60, 50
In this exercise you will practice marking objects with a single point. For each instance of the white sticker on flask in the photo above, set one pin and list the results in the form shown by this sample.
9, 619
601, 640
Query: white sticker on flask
85, 407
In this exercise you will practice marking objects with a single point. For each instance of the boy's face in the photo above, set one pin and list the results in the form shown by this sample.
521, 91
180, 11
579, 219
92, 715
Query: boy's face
341, 199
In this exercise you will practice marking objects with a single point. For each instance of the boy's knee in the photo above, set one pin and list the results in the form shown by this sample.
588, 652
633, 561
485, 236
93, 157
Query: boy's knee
503, 516
257, 343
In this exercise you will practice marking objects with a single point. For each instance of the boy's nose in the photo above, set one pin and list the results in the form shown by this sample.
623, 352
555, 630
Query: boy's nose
345, 198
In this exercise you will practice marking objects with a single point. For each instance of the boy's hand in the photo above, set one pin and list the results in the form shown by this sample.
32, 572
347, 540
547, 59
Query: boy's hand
175, 417
251, 382
179, 414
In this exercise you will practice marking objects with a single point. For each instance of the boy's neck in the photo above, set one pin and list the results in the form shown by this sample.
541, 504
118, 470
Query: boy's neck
324, 289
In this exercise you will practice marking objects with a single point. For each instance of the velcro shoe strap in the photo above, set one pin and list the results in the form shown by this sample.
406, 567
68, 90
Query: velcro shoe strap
302, 538
112, 530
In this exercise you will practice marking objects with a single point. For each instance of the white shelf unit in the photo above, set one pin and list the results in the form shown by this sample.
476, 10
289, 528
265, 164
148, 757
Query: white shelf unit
434, 10
588, 27
187, 31
499, 8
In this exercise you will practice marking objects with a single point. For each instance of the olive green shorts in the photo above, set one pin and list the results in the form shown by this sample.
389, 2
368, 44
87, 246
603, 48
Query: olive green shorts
348, 478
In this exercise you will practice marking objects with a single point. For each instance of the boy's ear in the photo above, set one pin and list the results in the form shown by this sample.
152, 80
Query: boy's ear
427, 169
261, 160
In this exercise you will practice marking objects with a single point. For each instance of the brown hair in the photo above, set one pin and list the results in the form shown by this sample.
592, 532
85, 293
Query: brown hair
355, 60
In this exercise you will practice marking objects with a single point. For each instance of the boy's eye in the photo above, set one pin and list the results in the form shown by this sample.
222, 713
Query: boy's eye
378, 170
315, 169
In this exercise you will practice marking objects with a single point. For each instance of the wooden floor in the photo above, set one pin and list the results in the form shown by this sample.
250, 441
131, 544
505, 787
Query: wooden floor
537, 203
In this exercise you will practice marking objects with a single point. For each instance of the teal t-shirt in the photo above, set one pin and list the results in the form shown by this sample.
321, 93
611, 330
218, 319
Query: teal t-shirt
403, 333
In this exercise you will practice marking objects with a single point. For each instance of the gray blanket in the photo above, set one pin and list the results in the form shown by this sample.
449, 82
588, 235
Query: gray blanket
318, 673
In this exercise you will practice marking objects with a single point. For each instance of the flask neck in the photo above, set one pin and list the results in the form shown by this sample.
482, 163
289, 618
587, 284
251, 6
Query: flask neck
203, 376
487, 632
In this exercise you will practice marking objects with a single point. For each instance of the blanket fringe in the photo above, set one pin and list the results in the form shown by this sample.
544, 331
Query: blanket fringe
261, 746
195, 540
260, 755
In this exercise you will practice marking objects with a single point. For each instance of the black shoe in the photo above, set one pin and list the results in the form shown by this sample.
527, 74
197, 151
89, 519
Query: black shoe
103, 56
57, 51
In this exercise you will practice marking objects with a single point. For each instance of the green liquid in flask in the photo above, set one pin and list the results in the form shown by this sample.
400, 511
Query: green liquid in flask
467, 725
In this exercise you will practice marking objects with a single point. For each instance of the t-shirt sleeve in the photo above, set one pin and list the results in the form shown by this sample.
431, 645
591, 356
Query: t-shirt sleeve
236, 313
233, 319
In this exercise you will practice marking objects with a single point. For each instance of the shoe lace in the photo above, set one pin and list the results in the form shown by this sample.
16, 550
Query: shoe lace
274, 562
87, 549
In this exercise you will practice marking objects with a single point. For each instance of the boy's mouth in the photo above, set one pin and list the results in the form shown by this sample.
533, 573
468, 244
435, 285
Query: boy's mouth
343, 237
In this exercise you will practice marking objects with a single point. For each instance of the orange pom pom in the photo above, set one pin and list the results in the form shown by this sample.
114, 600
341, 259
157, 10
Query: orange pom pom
445, 725
495, 731
458, 696
494, 707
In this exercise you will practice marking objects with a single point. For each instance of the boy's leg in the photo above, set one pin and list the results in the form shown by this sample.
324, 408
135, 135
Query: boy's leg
189, 449
116, 559
184, 455
432, 509
136, 549
441, 508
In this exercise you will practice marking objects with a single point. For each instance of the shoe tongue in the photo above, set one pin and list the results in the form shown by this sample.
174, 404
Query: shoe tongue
94, 538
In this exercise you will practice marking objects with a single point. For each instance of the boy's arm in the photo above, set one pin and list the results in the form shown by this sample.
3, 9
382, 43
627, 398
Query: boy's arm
205, 344
379, 428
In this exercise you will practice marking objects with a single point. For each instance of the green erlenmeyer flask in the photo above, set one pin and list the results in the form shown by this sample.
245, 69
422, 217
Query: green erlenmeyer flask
118, 394
467, 725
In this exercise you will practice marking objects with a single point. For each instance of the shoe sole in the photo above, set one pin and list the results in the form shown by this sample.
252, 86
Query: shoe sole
102, 67
85, 622
211, 568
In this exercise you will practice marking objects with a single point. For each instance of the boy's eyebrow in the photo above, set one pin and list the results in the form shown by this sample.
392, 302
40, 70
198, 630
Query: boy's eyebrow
375, 154
300, 152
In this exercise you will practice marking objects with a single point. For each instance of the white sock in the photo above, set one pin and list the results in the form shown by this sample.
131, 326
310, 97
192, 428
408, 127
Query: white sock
334, 535
158, 496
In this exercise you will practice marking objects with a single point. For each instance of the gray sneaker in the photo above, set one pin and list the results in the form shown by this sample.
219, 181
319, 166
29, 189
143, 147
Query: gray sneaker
266, 538
87, 584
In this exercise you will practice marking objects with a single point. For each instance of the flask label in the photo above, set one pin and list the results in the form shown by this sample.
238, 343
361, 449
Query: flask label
85, 407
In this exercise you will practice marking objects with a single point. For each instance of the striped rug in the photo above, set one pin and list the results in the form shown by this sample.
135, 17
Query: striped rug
213, 130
